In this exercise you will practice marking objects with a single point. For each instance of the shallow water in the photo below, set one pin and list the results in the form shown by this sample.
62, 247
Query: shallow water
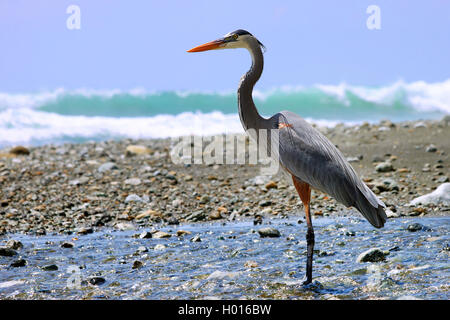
233, 262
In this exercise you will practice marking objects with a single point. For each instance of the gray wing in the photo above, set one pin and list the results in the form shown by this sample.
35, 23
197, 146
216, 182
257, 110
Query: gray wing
311, 157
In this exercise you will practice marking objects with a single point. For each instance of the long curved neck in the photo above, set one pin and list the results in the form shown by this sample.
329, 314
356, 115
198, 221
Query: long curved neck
250, 118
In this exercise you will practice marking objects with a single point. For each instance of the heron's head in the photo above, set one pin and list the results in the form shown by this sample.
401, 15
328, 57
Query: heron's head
236, 39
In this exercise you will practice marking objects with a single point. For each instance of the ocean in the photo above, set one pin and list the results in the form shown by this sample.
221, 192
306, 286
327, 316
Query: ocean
62, 116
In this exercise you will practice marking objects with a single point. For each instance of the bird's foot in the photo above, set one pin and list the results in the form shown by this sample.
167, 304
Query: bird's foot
306, 281
308, 284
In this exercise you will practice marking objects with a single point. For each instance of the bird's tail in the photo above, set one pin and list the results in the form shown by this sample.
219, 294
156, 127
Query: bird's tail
370, 206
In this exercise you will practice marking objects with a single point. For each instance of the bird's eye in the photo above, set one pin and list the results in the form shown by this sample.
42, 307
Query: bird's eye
235, 36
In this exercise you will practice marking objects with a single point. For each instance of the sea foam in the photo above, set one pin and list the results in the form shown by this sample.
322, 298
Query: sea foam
86, 114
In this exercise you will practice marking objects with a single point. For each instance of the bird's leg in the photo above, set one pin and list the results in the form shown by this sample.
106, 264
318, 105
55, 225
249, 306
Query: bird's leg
304, 191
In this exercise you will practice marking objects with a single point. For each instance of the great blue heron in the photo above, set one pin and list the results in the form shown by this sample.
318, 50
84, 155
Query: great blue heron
306, 154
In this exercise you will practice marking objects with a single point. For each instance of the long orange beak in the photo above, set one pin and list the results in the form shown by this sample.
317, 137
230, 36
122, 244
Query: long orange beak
216, 44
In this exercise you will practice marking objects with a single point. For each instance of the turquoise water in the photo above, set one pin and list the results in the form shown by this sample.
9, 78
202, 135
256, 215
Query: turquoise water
80, 115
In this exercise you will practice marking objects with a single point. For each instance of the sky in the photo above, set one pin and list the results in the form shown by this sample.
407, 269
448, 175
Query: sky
142, 44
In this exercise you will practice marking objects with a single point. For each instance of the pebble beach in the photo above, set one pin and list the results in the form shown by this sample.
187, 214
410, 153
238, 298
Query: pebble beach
72, 193
64, 188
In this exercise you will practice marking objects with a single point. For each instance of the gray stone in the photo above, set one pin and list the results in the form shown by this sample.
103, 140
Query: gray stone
50, 267
161, 235
78, 182
196, 216
133, 181
413, 227
133, 198
372, 255
108, 166
387, 185
85, 230
440, 195
95, 281
269, 232
7, 252
384, 167
14, 244
431, 148
67, 245
145, 235
18, 263
142, 249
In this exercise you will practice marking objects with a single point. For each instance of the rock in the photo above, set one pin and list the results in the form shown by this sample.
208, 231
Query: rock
177, 202
67, 245
145, 235
159, 247
326, 253
439, 196
78, 182
205, 199
258, 180
7, 252
137, 264
420, 124
133, 198
258, 220
265, 203
350, 233
222, 210
251, 264
181, 233
50, 267
19, 151
14, 244
271, 185
133, 181
196, 238
215, 215
161, 235
18, 263
384, 167
353, 159
196, 216
269, 232
415, 227
173, 221
96, 281
108, 166
136, 150
85, 230
431, 148
142, 249
268, 210
124, 226
387, 185
148, 214
417, 211
443, 179
372, 255
392, 214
